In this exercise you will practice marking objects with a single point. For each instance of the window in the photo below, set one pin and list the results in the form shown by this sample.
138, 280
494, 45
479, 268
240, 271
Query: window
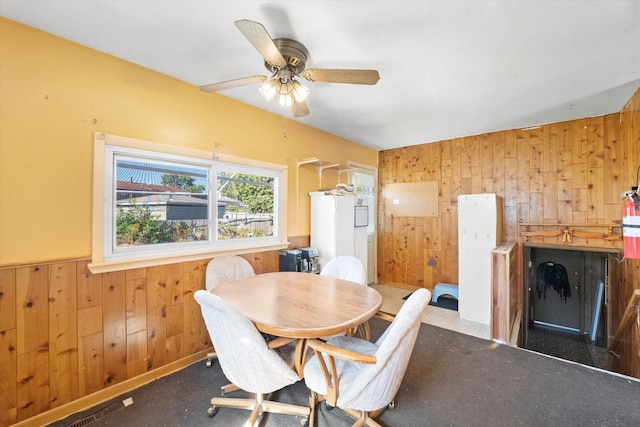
157, 201
170, 202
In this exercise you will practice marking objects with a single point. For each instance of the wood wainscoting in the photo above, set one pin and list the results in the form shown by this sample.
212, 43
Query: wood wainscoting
70, 339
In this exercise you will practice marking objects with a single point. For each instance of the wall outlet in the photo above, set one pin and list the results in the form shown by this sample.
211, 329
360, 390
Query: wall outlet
432, 261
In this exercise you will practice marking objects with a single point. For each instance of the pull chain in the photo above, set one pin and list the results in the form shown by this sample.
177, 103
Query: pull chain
284, 122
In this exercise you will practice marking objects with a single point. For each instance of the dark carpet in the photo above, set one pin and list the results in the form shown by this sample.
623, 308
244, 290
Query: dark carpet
569, 346
452, 380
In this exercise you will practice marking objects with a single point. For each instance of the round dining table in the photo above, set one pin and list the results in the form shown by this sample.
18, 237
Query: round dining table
300, 305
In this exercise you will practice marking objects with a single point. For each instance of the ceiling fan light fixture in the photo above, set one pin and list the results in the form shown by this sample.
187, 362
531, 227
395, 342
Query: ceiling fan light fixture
285, 100
289, 90
300, 92
269, 89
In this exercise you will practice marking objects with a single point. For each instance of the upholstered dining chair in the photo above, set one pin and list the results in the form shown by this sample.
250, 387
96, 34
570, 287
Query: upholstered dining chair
362, 377
345, 268
247, 360
348, 268
224, 269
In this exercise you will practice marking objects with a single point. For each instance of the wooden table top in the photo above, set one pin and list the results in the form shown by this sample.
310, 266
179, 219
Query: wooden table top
300, 305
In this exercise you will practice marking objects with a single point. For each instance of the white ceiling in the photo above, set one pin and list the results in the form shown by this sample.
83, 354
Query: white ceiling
447, 68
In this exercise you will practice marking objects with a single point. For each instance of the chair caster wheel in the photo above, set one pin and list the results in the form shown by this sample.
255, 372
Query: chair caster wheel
392, 404
209, 363
212, 411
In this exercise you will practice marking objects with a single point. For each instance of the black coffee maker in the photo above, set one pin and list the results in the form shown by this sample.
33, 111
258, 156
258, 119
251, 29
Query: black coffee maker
309, 260
290, 260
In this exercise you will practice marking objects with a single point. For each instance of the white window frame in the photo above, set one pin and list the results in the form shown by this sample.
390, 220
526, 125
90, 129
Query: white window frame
107, 257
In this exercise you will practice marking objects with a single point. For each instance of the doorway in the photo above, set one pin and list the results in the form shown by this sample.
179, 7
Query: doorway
565, 300
364, 180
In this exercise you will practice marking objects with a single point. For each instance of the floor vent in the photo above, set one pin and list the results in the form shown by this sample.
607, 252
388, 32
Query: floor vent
97, 415
84, 421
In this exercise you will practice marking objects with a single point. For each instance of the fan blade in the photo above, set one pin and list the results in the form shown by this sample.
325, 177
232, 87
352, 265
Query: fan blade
359, 77
230, 84
300, 109
261, 40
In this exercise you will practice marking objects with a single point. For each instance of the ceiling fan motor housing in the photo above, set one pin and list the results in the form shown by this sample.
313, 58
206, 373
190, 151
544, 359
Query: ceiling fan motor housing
293, 52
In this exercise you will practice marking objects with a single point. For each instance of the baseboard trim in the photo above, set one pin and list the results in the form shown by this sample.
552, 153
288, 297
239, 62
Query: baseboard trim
109, 393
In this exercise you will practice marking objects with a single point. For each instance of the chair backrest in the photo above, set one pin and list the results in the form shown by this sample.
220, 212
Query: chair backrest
346, 268
226, 268
242, 351
377, 384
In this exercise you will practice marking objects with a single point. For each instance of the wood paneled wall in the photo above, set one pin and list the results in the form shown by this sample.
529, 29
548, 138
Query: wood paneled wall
562, 175
66, 333
629, 349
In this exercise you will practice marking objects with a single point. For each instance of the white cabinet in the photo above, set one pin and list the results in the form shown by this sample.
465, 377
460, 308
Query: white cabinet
479, 231
333, 230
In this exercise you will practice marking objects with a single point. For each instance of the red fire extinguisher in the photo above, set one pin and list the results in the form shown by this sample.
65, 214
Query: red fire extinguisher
631, 225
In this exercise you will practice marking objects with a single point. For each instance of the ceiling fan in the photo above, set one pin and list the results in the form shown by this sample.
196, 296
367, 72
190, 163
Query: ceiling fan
286, 60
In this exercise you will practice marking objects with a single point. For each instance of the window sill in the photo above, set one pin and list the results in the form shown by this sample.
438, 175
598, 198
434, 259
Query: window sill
119, 265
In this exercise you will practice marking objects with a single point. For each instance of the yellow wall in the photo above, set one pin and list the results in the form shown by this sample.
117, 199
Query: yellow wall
54, 94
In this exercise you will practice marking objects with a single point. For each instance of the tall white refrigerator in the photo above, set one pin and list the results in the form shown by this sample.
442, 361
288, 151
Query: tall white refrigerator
335, 231
479, 231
